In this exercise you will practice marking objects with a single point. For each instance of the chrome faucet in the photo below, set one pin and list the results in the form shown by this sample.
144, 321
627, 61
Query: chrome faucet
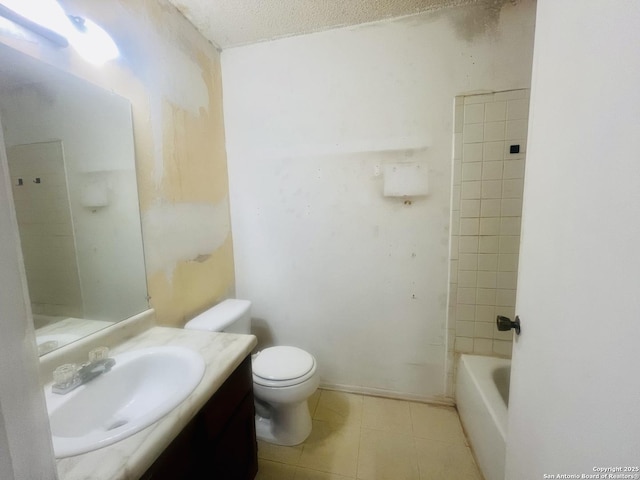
69, 376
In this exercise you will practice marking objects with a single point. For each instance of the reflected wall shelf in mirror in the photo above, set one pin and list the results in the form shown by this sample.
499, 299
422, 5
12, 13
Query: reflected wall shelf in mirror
71, 158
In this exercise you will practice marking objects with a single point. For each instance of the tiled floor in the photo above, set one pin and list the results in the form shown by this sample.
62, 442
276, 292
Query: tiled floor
371, 438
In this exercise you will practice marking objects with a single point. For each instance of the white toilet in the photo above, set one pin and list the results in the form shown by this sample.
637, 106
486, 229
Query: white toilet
283, 377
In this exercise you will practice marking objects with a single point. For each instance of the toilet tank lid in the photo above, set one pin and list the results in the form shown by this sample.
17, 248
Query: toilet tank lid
220, 316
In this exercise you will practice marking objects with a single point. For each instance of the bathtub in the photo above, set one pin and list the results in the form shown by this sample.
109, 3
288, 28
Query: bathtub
482, 396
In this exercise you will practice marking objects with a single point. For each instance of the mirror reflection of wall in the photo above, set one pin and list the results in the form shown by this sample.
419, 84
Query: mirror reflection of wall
72, 166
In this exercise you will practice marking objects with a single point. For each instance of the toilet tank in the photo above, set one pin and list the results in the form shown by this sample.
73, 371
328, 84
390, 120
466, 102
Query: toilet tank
230, 316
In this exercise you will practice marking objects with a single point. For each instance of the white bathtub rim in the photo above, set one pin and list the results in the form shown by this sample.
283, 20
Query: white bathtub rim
478, 367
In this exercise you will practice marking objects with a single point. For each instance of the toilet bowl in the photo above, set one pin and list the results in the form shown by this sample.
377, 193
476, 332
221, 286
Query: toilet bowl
284, 377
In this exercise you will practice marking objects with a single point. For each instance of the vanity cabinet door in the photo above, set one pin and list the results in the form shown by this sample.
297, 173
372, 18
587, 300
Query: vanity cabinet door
180, 458
234, 450
228, 420
220, 442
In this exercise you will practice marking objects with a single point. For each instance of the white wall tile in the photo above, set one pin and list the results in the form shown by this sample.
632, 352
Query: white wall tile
505, 311
485, 313
471, 190
457, 172
506, 298
511, 207
467, 279
493, 131
458, 118
509, 244
468, 244
472, 152
510, 95
512, 188
483, 330
472, 171
510, 226
481, 98
474, 133
469, 208
483, 346
507, 279
496, 112
486, 279
502, 348
464, 328
513, 169
455, 223
493, 150
453, 277
489, 226
492, 170
454, 247
491, 185
469, 226
508, 262
516, 129
518, 109
504, 336
464, 345
465, 312
492, 189
489, 244
490, 207
488, 261
467, 261
474, 113
455, 197
466, 295
486, 296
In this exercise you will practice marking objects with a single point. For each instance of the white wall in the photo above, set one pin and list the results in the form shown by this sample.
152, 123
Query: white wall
575, 385
330, 264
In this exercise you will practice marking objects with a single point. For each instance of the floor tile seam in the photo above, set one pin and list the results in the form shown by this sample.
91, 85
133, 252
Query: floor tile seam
452, 443
346, 477
386, 430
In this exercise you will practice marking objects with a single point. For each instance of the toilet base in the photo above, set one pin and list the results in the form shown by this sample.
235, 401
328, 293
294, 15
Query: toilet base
288, 425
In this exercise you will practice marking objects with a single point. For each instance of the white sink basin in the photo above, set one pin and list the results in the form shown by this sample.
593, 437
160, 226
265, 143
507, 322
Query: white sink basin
142, 387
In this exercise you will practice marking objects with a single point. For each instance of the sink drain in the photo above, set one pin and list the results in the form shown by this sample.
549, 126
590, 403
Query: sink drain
117, 424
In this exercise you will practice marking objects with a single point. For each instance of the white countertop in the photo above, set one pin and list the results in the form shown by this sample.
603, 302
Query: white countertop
131, 457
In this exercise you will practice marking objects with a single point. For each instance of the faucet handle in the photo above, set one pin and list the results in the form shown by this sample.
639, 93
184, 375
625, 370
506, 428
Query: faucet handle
65, 375
98, 353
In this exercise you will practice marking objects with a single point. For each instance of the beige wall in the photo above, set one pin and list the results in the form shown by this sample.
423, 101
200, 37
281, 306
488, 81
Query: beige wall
172, 77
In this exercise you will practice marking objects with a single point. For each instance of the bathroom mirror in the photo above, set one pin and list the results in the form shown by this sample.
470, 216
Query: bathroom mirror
71, 160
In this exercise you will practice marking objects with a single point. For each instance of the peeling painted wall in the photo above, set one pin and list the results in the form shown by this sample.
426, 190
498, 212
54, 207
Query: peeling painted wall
171, 75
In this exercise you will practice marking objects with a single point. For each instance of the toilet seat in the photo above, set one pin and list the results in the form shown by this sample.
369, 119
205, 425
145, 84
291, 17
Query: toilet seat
282, 366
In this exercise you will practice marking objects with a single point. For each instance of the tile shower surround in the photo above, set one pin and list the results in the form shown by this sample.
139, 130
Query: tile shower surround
485, 223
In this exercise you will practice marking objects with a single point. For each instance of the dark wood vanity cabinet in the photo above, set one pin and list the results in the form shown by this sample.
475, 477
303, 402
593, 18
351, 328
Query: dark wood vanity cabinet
220, 442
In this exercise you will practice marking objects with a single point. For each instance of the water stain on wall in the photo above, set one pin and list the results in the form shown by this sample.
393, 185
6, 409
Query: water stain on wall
479, 19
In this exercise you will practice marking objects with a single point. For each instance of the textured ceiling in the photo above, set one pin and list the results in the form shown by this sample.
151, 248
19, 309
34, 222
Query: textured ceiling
229, 23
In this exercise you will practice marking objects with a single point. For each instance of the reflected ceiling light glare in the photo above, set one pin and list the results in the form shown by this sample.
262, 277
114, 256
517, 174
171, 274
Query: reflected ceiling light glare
48, 18
92, 42
44, 17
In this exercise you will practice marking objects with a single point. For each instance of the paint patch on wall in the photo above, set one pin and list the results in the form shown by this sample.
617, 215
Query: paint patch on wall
183, 232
